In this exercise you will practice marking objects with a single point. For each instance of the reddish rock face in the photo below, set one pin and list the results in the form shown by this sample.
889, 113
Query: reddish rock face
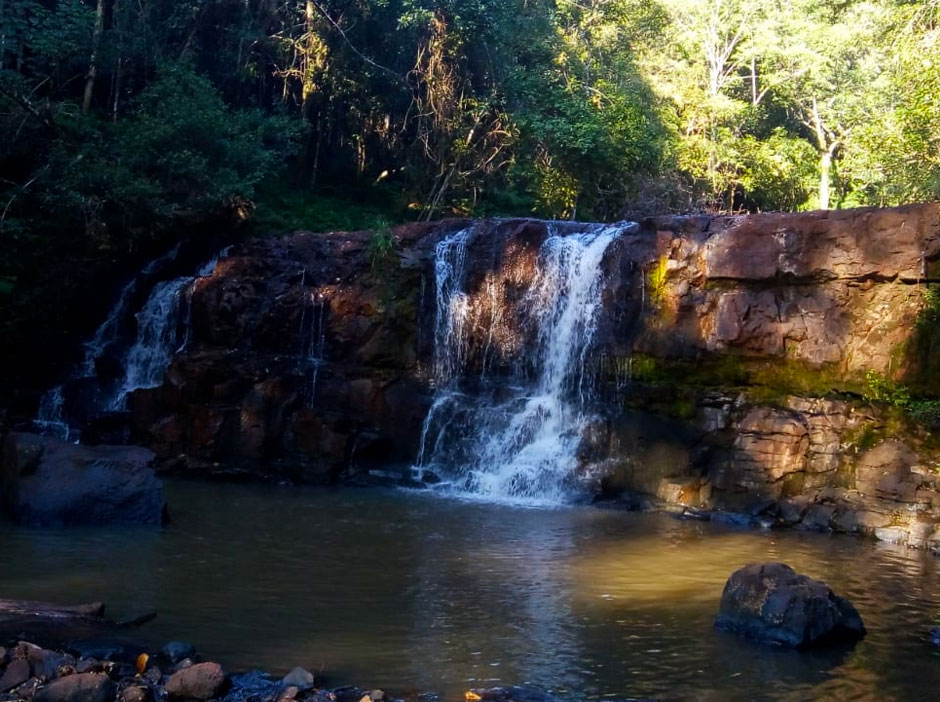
311, 356
303, 359
821, 288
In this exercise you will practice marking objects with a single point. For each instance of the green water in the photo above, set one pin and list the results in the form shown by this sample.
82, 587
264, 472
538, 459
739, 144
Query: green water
416, 593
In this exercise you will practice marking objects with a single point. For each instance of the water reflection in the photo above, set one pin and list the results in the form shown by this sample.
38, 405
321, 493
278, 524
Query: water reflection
412, 592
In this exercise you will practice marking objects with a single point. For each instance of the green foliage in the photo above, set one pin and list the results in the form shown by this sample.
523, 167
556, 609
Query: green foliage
382, 244
364, 114
283, 207
882, 389
926, 413
657, 281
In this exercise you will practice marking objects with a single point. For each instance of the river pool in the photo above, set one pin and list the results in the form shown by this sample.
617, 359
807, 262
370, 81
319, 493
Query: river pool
414, 592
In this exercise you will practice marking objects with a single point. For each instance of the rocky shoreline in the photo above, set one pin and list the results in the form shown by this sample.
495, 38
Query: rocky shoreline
120, 673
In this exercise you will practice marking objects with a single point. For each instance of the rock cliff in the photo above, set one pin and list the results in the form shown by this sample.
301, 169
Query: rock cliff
753, 368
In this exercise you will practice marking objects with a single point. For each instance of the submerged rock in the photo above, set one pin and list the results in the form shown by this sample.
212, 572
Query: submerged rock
48, 482
771, 603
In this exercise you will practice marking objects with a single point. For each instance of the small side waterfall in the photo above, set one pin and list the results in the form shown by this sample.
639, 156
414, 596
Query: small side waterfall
158, 338
515, 435
163, 328
51, 417
109, 330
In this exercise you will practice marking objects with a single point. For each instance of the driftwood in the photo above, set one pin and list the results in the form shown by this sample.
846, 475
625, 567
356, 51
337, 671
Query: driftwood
44, 609
56, 625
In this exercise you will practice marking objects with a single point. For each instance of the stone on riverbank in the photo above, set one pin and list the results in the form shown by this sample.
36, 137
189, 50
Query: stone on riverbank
16, 674
202, 681
771, 603
48, 482
300, 678
81, 687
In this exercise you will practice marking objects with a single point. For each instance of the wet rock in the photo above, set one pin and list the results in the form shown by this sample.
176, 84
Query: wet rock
288, 694
16, 673
89, 665
175, 651
252, 686
300, 678
46, 664
48, 482
27, 690
153, 675
202, 681
82, 687
136, 693
105, 650
772, 603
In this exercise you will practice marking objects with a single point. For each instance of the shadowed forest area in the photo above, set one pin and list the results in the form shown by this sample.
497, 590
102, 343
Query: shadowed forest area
129, 126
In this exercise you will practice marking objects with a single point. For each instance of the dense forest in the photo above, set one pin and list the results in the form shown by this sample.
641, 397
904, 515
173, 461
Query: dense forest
130, 125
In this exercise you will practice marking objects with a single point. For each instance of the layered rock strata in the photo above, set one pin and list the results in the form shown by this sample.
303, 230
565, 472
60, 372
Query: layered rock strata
746, 364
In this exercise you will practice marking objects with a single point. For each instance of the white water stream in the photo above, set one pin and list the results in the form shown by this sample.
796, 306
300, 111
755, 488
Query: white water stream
516, 437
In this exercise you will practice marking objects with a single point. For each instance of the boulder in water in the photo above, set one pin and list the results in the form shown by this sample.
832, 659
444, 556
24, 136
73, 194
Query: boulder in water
49, 482
771, 603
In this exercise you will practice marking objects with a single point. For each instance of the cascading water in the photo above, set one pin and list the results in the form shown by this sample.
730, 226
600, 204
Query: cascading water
51, 417
313, 343
516, 435
163, 329
158, 338
108, 332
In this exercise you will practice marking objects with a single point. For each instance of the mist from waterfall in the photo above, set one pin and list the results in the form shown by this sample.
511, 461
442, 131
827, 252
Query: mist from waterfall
515, 436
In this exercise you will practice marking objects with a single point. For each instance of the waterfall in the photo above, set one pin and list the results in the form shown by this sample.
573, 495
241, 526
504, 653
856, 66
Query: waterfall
51, 417
109, 330
158, 338
163, 329
312, 339
515, 435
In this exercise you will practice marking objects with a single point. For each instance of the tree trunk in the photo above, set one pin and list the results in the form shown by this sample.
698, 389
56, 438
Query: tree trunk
308, 87
3, 36
825, 167
93, 63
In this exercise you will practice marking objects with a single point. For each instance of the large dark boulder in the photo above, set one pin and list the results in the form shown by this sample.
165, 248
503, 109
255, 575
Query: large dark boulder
48, 482
774, 604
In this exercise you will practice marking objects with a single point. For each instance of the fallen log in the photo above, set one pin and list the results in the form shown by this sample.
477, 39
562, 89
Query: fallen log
44, 609
54, 625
